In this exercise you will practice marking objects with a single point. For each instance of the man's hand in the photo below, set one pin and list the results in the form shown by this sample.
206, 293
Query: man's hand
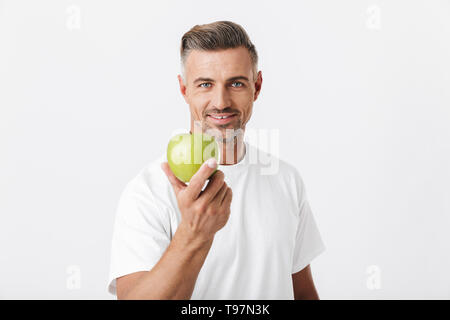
203, 213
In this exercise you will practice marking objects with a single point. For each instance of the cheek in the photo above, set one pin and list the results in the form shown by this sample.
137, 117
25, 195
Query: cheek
198, 105
194, 107
245, 103
199, 98
247, 114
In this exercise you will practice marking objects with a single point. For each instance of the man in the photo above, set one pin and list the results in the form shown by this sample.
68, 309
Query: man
246, 235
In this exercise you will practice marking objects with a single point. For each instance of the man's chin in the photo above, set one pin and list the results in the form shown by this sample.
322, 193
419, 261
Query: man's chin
223, 134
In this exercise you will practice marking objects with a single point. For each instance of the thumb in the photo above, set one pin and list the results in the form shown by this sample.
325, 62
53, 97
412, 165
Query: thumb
176, 183
199, 178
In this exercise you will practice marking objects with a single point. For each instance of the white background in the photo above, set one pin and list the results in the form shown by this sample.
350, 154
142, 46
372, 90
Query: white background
360, 91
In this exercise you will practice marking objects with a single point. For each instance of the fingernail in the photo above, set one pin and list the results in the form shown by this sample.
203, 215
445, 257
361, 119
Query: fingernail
212, 163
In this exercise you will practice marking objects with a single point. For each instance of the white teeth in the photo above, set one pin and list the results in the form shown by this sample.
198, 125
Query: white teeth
224, 117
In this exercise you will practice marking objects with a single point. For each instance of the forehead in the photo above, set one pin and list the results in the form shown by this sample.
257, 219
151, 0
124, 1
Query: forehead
218, 63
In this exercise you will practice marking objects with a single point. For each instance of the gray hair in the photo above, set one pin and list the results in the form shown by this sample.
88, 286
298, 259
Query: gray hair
216, 36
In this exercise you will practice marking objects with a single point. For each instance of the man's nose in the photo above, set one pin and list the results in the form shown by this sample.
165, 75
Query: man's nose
221, 98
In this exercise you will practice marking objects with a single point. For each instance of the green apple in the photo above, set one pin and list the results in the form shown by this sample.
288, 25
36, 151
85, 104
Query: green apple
186, 153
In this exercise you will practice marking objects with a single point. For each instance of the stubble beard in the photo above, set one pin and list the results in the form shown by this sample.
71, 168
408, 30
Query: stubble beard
223, 134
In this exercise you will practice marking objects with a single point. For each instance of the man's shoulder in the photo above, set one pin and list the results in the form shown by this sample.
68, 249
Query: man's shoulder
272, 164
280, 171
150, 181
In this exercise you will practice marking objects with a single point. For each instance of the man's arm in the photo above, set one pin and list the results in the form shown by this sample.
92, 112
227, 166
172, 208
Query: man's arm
303, 283
203, 214
173, 277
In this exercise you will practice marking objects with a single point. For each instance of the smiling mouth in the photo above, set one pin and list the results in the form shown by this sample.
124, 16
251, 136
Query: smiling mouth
221, 118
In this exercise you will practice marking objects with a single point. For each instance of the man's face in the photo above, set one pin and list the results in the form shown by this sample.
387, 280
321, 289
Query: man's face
220, 83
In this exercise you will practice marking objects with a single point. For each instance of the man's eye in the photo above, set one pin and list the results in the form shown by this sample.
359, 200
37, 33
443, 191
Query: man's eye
205, 85
237, 84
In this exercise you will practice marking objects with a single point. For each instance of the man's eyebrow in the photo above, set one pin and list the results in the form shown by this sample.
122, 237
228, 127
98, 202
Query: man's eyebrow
203, 79
212, 80
238, 78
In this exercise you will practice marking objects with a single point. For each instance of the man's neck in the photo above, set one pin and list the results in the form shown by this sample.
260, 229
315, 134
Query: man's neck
232, 152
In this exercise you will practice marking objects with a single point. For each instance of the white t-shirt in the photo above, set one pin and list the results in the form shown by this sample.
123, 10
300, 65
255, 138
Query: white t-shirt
270, 234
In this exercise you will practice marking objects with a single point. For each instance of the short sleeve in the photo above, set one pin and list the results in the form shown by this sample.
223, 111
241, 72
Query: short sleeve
141, 233
308, 241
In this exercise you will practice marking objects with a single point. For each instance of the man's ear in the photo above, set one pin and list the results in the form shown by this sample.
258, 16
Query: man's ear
258, 85
182, 87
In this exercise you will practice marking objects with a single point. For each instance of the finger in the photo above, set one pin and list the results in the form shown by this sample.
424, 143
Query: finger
176, 183
213, 187
227, 198
198, 180
220, 194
